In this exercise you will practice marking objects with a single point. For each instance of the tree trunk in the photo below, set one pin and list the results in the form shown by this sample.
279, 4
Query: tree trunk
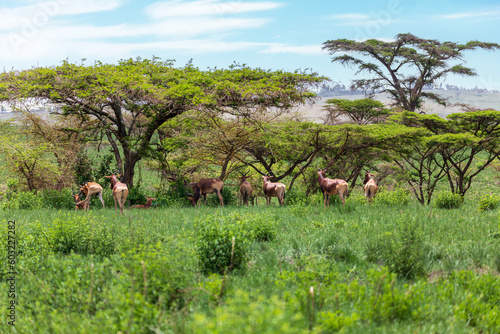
129, 168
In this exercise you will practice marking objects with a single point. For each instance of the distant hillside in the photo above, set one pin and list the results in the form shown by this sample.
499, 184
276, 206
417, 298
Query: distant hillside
481, 101
314, 112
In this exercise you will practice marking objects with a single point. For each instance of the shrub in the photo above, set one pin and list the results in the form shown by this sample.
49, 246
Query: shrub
251, 314
135, 195
214, 246
58, 199
407, 260
448, 200
23, 200
80, 234
261, 227
83, 167
162, 271
397, 197
403, 253
227, 196
489, 202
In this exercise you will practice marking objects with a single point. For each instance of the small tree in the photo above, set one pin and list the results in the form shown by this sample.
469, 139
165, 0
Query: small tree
361, 112
404, 67
458, 148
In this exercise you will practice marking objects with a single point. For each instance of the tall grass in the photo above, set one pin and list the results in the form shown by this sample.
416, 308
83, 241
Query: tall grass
323, 271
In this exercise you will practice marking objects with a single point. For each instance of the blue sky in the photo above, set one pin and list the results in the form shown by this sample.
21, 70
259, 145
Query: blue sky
270, 34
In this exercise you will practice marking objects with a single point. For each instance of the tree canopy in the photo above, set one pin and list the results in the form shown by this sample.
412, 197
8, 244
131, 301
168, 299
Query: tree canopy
405, 66
130, 100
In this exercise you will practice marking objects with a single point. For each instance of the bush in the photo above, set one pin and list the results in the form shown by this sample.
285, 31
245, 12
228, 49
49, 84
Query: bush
58, 199
392, 198
448, 200
135, 195
160, 272
214, 246
489, 202
75, 233
261, 227
227, 196
23, 200
403, 253
244, 313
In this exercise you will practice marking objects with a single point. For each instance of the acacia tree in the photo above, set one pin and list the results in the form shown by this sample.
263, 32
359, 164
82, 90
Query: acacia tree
285, 149
361, 112
404, 67
132, 99
457, 148
353, 147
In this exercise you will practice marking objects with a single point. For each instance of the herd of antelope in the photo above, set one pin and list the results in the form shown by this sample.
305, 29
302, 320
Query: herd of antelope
213, 185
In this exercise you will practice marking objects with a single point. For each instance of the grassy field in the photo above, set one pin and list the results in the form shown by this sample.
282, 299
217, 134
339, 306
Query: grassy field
392, 267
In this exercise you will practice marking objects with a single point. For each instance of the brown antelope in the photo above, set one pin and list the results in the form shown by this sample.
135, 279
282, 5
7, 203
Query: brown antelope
370, 186
204, 187
144, 206
120, 190
90, 189
332, 187
273, 189
80, 205
245, 189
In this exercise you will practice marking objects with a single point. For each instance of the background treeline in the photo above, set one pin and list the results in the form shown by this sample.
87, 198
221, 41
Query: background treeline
404, 148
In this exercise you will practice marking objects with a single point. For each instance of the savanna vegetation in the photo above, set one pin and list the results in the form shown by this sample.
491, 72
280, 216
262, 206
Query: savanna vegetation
423, 257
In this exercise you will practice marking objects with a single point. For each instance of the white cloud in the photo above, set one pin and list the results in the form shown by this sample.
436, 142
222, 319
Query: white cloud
484, 13
42, 13
192, 27
302, 50
177, 8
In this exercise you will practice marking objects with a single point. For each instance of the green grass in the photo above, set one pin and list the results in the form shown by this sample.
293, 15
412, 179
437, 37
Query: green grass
338, 252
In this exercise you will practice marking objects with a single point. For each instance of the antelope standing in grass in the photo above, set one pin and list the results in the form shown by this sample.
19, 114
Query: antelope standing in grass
370, 186
144, 206
245, 189
331, 187
120, 190
80, 205
273, 189
204, 187
90, 189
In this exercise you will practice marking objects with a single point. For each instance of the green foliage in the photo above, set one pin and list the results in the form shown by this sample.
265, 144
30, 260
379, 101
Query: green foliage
23, 200
362, 111
397, 197
227, 196
448, 200
135, 195
255, 314
481, 307
261, 227
83, 168
222, 244
57, 199
303, 270
489, 202
73, 233
161, 272
403, 251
